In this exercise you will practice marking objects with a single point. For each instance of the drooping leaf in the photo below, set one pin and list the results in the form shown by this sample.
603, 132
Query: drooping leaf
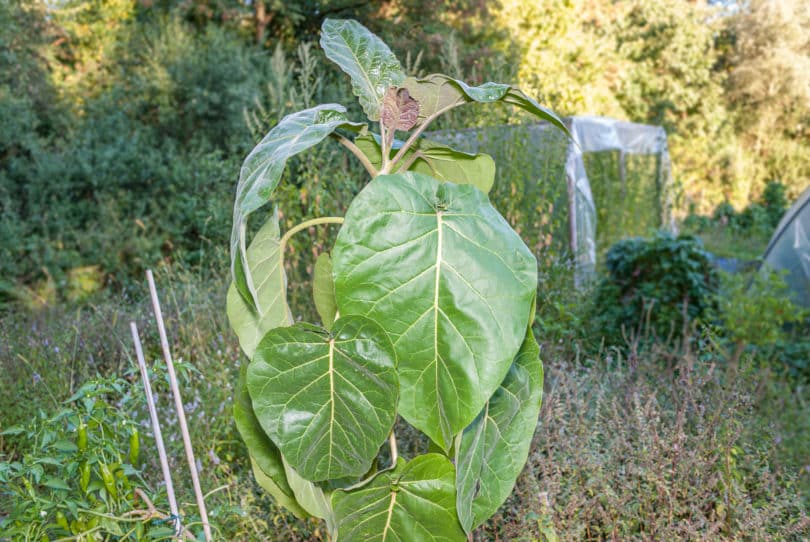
491, 451
452, 284
438, 161
268, 465
368, 61
268, 484
399, 110
323, 290
414, 501
264, 261
262, 170
437, 92
312, 498
327, 400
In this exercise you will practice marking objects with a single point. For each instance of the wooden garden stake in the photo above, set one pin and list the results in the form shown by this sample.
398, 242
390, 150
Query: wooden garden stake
150, 401
178, 404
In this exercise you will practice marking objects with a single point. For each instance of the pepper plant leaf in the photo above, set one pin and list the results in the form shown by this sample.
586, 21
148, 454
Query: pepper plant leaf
491, 451
367, 60
439, 161
414, 501
265, 457
437, 92
449, 280
323, 290
261, 172
327, 400
264, 261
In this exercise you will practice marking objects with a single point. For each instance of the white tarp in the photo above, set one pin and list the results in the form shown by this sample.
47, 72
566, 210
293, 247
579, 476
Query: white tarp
599, 134
590, 134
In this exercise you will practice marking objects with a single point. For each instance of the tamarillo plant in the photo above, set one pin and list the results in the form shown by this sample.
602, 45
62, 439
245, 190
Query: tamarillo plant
426, 304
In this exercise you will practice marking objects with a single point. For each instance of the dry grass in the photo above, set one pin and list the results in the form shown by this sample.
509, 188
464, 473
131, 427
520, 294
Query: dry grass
662, 446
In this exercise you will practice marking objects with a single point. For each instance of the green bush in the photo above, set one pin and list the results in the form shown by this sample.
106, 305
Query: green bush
138, 174
660, 285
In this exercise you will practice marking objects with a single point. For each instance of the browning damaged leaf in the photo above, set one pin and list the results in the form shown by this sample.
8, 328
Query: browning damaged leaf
399, 110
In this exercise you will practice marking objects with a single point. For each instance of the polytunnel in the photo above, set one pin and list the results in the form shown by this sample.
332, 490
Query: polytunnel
789, 249
575, 197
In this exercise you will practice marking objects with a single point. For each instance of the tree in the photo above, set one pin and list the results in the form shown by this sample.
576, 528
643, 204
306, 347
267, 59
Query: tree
769, 89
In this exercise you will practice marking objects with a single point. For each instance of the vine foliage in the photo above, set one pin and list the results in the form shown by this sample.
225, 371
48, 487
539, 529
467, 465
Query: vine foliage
426, 303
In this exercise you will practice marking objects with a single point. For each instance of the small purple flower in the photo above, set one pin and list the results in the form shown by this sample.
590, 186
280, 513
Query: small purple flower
37, 379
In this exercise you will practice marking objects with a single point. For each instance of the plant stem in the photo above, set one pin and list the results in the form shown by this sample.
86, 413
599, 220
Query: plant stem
282, 244
304, 225
385, 147
392, 442
415, 135
413, 158
358, 153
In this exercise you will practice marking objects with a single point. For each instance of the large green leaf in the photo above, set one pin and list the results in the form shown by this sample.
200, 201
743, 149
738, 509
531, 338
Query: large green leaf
268, 465
438, 92
452, 284
327, 400
262, 171
264, 261
415, 502
491, 452
372, 66
437, 160
323, 290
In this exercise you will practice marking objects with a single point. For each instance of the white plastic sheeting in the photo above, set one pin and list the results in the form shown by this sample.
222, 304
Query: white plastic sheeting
590, 135
789, 249
599, 134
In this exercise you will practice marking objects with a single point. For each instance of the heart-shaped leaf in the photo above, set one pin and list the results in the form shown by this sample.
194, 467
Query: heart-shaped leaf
491, 452
451, 282
436, 160
438, 92
264, 261
268, 465
327, 400
323, 290
262, 171
414, 501
368, 61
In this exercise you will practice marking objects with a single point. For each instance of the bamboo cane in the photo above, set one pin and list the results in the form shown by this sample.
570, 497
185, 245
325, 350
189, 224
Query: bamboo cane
178, 404
150, 402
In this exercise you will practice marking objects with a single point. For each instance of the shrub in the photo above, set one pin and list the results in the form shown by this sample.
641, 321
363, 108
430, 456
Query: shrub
756, 310
661, 284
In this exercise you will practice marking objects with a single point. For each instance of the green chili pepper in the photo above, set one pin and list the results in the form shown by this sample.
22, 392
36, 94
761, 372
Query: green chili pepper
81, 440
62, 521
84, 472
109, 480
134, 446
